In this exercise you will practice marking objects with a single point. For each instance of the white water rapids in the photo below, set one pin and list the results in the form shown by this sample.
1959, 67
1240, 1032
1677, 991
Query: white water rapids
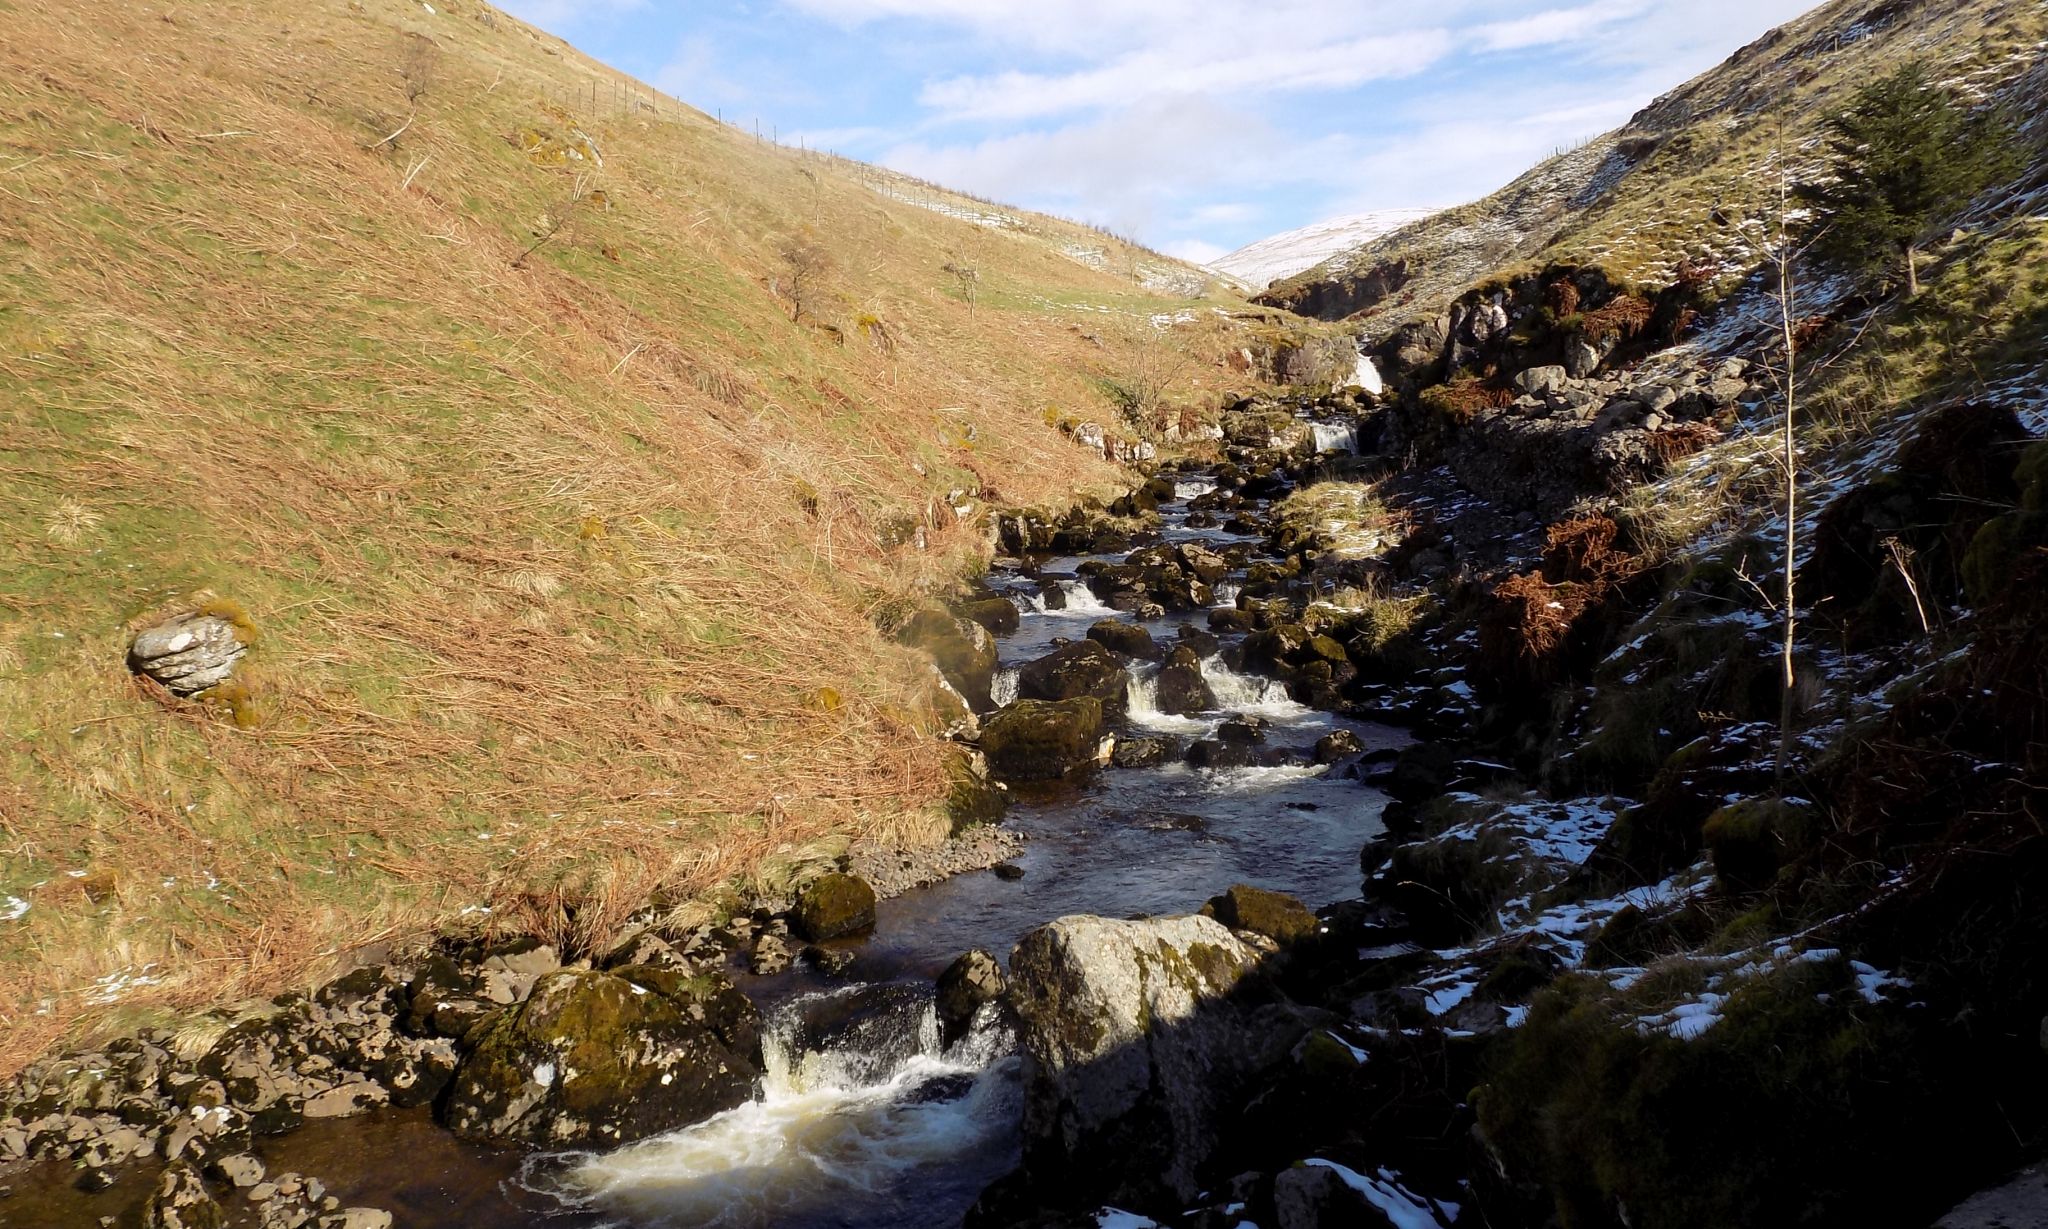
873, 1118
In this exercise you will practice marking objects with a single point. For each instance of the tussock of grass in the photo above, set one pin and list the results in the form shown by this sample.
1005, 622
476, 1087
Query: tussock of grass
1344, 520
545, 632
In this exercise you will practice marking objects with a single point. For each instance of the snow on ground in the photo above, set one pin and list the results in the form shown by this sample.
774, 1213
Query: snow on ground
1403, 1208
1285, 255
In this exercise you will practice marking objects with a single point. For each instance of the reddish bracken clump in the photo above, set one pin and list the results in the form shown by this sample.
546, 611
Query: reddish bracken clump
1625, 318
1674, 444
1529, 619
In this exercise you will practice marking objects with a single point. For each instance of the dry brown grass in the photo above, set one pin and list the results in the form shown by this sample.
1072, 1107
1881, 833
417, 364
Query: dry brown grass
542, 604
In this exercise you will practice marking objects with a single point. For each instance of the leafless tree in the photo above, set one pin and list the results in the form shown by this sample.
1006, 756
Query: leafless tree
805, 264
419, 66
561, 215
969, 279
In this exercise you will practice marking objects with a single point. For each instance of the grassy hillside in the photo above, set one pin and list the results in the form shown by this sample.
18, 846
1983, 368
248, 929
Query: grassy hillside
467, 369
1691, 178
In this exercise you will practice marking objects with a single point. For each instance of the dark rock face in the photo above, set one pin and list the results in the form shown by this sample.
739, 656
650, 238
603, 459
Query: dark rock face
972, 980
607, 1058
833, 905
964, 652
1077, 670
1181, 688
1135, 1053
1276, 915
1042, 740
1145, 752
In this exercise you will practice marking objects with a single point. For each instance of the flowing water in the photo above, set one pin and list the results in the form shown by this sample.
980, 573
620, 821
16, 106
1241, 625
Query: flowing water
868, 1116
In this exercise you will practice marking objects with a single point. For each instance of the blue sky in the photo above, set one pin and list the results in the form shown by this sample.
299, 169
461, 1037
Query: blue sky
1195, 125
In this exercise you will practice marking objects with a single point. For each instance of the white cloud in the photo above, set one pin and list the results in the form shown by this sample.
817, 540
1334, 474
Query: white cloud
1554, 25
1154, 74
1196, 251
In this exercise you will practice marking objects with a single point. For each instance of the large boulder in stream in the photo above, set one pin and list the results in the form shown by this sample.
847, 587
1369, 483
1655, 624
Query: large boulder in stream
963, 650
1044, 740
1084, 668
1144, 1038
1181, 689
605, 1058
1125, 639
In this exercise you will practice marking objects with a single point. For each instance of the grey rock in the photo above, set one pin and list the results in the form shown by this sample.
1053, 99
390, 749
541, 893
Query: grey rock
1136, 1058
1317, 1197
188, 654
970, 981
1656, 397
770, 955
1581, 360
239, 1170
181, 1201
1542, 381
2020, 1202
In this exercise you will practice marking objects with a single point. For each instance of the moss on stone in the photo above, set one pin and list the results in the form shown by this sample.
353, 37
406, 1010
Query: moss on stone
832, 906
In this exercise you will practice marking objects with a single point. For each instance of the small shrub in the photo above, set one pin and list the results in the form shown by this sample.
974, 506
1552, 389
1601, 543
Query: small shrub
1622, 319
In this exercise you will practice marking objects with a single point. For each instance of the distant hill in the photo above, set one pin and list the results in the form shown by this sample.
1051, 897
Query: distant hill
1260, 264
1687, 179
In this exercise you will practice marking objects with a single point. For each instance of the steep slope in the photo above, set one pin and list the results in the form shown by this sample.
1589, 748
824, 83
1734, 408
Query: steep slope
1690, 178
1284, 255
465, 370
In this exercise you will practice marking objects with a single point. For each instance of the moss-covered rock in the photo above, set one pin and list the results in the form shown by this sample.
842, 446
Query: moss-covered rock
1042, 740
1276, 915
832, 906
972, 797
997, 614
1125, 639
1181, 688
1753, 839
605, 1058
1072, 671
963, 651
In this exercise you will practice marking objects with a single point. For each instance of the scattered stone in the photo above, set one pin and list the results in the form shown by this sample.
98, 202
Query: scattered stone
190, 653
239, 1170
1542, 381
1009, 872
833, 905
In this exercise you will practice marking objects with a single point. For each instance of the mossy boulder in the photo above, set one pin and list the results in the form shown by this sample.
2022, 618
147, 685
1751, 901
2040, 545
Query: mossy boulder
1181, 688
1752, 840
833, 906
607, 1058
1043, 740
1073, 671
972, 797
1276, 915
1125, 639
964, 652
997, 614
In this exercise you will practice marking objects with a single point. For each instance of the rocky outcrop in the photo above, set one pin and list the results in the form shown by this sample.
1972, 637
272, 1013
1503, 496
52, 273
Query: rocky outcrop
1276, 915
608, 1058
1041, 740
1140, 1035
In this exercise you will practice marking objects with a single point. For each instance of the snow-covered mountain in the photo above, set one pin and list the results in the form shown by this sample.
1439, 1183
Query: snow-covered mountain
1269, 260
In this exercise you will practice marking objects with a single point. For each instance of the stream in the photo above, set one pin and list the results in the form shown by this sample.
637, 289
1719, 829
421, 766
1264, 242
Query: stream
867, 1117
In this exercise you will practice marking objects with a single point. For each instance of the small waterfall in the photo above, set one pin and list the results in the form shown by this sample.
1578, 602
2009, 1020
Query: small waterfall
1247, 693
1081, 602
1141, 705
863, 1105
1226, 594
1003, 687
1335, 436
1187, 488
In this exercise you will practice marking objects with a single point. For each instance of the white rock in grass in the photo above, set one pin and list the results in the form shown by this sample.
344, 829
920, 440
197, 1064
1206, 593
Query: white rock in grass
188, 654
